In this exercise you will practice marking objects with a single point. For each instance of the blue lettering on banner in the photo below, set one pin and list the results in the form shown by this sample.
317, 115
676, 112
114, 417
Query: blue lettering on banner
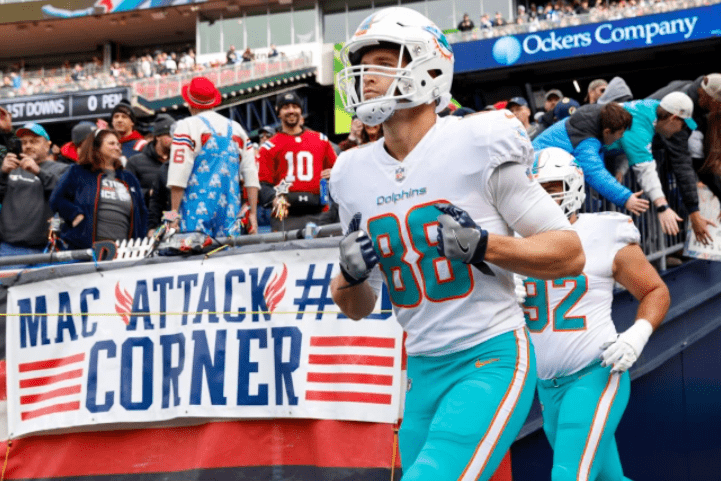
30, 325
207, 369
322, 299
95, 293
162, 284
228, 304
597, 38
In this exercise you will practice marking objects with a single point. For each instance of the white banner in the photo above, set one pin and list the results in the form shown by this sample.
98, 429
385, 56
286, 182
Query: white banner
709, 208
244, 336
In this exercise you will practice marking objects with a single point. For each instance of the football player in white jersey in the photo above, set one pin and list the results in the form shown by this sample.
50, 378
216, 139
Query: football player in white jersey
431, 208
583, 380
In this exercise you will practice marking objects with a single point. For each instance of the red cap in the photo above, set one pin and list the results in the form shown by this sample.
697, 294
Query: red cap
500, 105
201, 93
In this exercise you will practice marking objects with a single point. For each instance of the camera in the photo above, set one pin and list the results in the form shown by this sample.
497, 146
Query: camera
15, 146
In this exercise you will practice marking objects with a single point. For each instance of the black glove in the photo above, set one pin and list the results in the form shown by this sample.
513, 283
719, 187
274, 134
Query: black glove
459, 238
357, 256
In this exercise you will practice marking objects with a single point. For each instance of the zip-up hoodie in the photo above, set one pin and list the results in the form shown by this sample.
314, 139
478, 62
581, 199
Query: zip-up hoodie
78, 192
581, 136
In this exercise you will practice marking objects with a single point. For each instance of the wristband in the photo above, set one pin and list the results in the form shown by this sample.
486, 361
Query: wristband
662, 208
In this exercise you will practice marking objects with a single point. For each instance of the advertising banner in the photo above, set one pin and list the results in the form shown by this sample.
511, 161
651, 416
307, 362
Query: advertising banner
242, 336
63, 107
48, 9
590, 39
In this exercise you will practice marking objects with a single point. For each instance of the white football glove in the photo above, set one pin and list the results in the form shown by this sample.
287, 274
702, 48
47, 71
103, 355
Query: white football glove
624, 351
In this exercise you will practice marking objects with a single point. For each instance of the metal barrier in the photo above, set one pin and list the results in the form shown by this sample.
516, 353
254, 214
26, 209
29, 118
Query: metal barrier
655, 244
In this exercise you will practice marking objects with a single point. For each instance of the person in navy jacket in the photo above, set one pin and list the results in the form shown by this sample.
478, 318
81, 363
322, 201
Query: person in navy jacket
97, 198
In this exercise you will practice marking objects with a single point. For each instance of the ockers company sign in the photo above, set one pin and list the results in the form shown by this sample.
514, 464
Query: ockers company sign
632, 33
63, 107
243, 336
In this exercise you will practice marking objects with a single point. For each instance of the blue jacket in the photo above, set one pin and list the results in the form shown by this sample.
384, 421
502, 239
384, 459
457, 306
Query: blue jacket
78, 192
580, 135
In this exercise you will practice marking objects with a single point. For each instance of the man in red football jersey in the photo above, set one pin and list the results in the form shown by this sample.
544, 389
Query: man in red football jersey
301, 158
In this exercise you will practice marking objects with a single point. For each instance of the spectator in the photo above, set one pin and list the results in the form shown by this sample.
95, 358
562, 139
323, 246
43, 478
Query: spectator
705, 92
248, 55
171, 65
551, 99
69, 150
521, 15
616, 91
299, 156
26, 182
499, 21
519, 107
273, 51
97, 198
595, 89
564, 108
354, 137
371, 133
583, 135
78, 73
465, 25
6, 131
486, 23
123, 121
665, 117
146, 164
210, 155
232, 56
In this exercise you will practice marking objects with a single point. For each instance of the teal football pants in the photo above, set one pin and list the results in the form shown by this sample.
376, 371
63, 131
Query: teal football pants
580, 415
463, 410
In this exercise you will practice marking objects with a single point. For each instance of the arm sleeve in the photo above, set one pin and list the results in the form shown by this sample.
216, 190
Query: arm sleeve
62, 200
647, 176
248, 167
679, 158
49, 180
588, 156
266, 171
523, 203
182, 156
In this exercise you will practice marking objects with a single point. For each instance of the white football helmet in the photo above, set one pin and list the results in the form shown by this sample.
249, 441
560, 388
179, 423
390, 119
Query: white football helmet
427, 77
554, 164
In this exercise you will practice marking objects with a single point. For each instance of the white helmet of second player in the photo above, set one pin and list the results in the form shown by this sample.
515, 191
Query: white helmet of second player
556, 165
427, 77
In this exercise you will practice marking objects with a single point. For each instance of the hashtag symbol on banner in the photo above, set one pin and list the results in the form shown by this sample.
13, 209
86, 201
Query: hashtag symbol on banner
307, 284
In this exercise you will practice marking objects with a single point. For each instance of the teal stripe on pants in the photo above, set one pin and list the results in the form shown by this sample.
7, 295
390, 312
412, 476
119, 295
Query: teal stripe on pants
464, 410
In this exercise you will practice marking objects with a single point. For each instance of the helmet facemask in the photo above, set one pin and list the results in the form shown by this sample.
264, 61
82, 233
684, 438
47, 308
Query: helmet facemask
425, 77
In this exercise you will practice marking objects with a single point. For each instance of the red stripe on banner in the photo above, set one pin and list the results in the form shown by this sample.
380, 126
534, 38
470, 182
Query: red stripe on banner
3, 381
51, 363
63, 391
272, 442
56, 408
349, 377
44, 381
384, 361
354, 397
332, 341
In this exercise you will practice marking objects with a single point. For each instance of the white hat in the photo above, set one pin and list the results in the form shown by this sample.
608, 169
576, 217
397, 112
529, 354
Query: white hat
680, 105
712, 85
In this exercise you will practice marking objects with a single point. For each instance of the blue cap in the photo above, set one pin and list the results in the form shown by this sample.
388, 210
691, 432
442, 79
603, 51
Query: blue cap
34, 129
518, 101
565, 108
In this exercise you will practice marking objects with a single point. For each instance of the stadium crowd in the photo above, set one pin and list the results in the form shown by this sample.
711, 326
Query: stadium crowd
94, 74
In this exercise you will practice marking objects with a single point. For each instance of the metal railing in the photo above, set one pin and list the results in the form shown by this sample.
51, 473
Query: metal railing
154, 88
170, 86
655, 244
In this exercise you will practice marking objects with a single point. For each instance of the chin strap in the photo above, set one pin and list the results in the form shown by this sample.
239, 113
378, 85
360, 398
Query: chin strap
376, 113
443, 102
